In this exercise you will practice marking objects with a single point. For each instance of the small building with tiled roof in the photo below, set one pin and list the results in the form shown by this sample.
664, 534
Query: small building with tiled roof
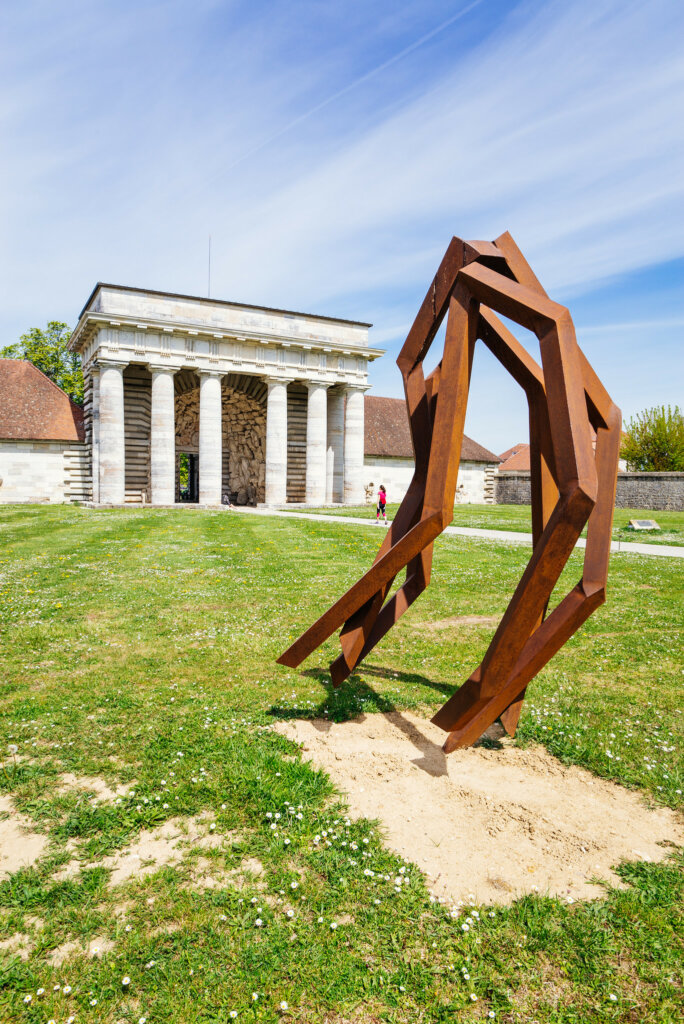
388, 455
516, 459
43, 455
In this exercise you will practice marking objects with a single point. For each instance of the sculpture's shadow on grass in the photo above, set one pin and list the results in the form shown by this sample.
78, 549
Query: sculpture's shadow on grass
356, 697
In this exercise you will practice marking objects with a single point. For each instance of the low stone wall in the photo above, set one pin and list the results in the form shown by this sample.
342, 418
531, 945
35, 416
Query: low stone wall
655, 491
512, 488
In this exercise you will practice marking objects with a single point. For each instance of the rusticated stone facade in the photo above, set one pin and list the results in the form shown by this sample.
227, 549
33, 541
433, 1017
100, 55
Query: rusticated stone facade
244, 446
243, 427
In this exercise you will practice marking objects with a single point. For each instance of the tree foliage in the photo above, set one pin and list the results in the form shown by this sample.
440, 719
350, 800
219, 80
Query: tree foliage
47, 349
655, 440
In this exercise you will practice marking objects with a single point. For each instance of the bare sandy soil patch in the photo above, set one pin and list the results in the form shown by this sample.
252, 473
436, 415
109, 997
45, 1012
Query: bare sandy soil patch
165, 845
489, 823
20, 846
17, 943
61, 953
251, 866
99, 789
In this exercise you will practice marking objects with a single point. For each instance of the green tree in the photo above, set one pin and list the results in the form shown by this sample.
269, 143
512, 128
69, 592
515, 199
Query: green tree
654, 440
47, 349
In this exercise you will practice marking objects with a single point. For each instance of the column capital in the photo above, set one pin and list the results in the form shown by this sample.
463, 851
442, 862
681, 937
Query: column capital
161, 368
311, 384
351, 386
209, 373
113, 364
277, 380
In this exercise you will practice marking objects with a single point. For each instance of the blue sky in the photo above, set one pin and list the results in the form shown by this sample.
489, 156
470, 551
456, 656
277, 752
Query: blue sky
332, 150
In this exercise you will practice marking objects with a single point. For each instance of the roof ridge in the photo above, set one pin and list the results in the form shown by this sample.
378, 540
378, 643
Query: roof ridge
223, 302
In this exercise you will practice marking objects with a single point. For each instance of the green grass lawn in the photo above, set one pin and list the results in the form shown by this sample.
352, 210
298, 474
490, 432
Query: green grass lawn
139, 647
517, 519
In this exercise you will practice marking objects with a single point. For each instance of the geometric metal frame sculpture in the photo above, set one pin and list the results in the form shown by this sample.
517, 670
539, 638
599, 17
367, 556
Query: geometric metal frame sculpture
573, 482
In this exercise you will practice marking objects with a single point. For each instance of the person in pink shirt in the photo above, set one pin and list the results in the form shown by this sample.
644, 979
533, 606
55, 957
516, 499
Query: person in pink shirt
382, 501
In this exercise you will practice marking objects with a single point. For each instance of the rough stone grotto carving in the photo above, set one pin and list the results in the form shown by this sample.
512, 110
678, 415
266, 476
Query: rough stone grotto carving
574, 446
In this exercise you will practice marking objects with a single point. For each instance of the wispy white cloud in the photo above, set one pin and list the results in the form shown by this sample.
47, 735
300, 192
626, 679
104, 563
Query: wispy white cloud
332, 150
545, 130
640, 326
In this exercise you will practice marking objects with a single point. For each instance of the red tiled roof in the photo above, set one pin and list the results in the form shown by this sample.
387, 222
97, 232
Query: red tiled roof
387, 432
516, 458
32, 408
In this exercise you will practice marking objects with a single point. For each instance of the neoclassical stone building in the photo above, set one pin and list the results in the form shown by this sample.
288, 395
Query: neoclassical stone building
256, 404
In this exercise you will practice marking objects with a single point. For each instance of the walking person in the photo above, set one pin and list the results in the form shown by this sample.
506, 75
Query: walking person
382, 501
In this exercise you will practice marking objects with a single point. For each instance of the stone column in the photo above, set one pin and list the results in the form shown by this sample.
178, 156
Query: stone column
163, 437
112, 438
316, 429
95, 432
334, 476
276, 441
210, 439
353, 447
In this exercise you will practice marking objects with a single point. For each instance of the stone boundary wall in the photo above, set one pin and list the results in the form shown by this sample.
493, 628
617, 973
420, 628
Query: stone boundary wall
655, 491
512, 488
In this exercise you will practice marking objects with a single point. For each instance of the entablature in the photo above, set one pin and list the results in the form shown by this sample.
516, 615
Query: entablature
131, 341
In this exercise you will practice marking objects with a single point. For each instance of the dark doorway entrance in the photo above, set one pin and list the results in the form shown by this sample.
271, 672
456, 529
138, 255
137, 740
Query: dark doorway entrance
188, 477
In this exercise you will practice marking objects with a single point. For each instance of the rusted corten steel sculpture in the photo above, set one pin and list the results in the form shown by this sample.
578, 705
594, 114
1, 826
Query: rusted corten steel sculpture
573, 482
